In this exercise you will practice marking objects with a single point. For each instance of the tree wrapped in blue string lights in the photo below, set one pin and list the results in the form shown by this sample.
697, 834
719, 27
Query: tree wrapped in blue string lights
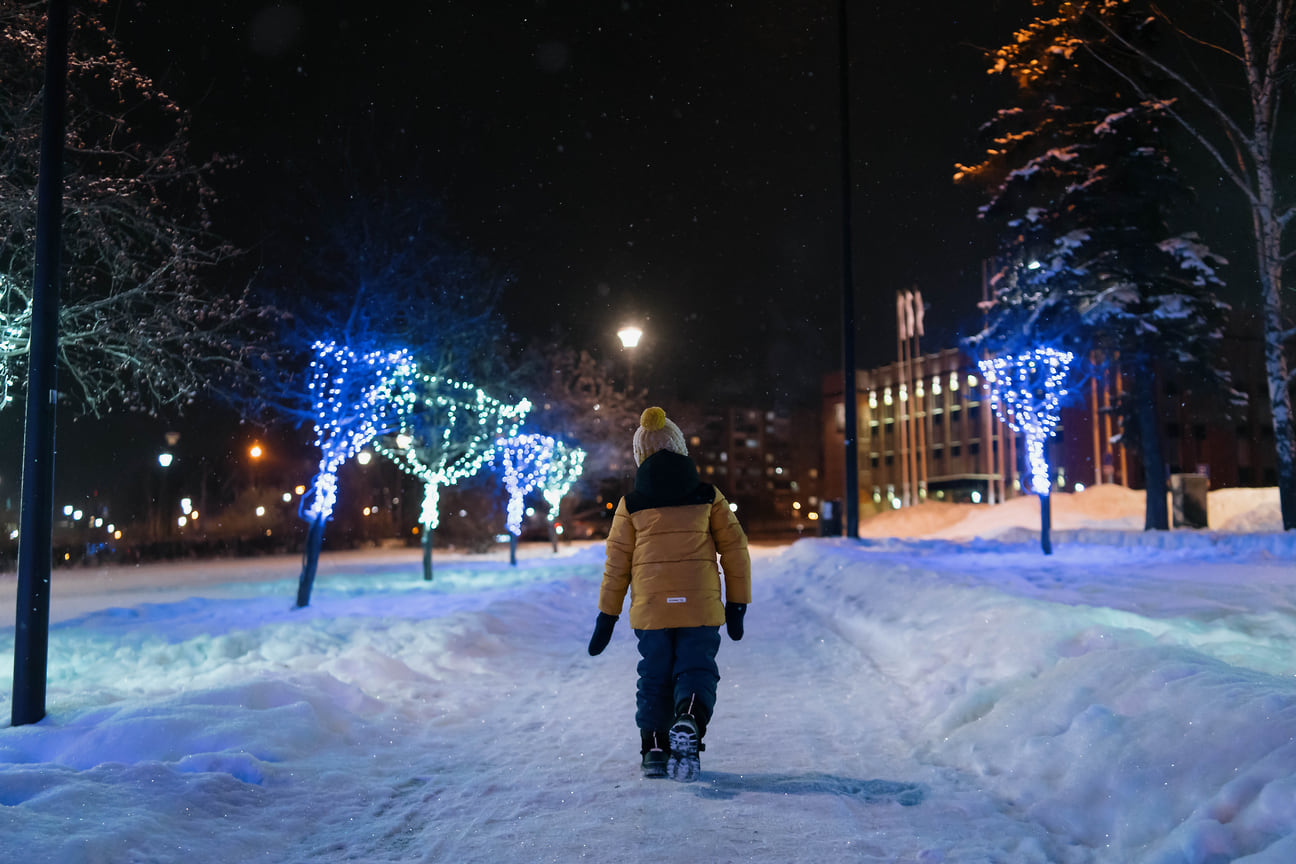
1027, 390
355, 398
445, 432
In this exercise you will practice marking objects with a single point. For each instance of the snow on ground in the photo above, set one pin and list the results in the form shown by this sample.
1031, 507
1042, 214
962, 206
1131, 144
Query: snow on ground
1106, 507
939, 693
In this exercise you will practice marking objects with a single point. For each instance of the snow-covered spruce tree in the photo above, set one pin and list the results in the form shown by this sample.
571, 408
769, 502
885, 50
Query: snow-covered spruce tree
1220, 69
138, 328
1084, 197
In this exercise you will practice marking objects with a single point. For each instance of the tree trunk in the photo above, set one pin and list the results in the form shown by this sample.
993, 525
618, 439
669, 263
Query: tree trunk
1268, 243
1046, 524
1280, 404
427, 553
1264, 78
553, 536
513, 548
1156, 517
310, 561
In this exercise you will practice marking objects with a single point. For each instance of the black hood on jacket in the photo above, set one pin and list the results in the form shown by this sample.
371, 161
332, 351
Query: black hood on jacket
667, 479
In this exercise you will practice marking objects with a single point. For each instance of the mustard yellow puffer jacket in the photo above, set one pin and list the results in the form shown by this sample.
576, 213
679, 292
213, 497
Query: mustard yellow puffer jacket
663, 545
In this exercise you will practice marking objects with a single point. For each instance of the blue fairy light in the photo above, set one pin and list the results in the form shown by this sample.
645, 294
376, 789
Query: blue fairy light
359, 398
1027, 390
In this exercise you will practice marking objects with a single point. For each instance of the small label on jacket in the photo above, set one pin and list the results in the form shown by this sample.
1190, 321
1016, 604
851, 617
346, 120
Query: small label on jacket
676, 599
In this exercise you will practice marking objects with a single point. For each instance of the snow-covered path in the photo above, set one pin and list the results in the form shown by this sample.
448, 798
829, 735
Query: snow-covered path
806, 761
895, 701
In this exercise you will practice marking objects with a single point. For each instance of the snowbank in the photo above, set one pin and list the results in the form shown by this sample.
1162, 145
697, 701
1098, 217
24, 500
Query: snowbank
1107, 507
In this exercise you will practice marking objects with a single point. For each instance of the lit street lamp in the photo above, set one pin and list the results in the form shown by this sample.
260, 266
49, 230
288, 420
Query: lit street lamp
164, 460
629, 336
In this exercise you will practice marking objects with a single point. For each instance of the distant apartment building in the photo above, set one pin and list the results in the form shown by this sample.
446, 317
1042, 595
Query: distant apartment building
768, 462
1232, 444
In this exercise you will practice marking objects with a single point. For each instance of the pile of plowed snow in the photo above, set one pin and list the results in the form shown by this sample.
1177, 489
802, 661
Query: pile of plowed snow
1106, 507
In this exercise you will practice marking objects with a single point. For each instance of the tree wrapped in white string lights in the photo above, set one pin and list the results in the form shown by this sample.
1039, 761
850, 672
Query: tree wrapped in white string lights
531, 462
525, 460
355, 398
1027, 390
565, 467
445, 432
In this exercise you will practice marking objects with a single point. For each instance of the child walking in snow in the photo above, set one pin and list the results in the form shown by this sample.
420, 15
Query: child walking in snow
662, 547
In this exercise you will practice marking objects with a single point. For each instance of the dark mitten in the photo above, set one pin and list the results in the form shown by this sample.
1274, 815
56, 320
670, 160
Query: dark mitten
734, 613
602, 633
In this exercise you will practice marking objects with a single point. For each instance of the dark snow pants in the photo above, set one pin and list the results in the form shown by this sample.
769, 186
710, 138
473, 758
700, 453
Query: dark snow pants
678, 665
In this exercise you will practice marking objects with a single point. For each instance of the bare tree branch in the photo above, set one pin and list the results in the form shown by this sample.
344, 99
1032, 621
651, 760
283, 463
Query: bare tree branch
1241, 142
1169, 21
139, 328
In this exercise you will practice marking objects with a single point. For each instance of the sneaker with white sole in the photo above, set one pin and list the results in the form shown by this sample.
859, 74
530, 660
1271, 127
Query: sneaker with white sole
684, 764
655, 754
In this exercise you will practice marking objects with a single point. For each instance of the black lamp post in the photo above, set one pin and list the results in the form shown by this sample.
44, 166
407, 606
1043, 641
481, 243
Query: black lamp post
848, 291
36, 521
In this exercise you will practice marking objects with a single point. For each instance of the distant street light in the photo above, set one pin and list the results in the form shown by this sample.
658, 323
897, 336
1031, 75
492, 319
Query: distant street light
255, 452
165, 459
629, 336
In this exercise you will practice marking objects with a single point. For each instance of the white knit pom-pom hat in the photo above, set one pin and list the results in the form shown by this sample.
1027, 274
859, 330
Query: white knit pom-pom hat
656, 432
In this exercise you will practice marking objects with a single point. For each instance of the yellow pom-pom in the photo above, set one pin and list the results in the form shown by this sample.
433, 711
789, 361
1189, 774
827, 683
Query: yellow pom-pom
653, 419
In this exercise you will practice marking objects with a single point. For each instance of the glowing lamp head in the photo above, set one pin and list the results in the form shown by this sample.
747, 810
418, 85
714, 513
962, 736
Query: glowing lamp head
629, 336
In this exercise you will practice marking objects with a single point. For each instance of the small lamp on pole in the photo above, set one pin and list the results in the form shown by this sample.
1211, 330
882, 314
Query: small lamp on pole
255, 452
629, 336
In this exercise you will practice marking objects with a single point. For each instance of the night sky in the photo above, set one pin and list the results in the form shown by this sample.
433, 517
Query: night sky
675, 162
